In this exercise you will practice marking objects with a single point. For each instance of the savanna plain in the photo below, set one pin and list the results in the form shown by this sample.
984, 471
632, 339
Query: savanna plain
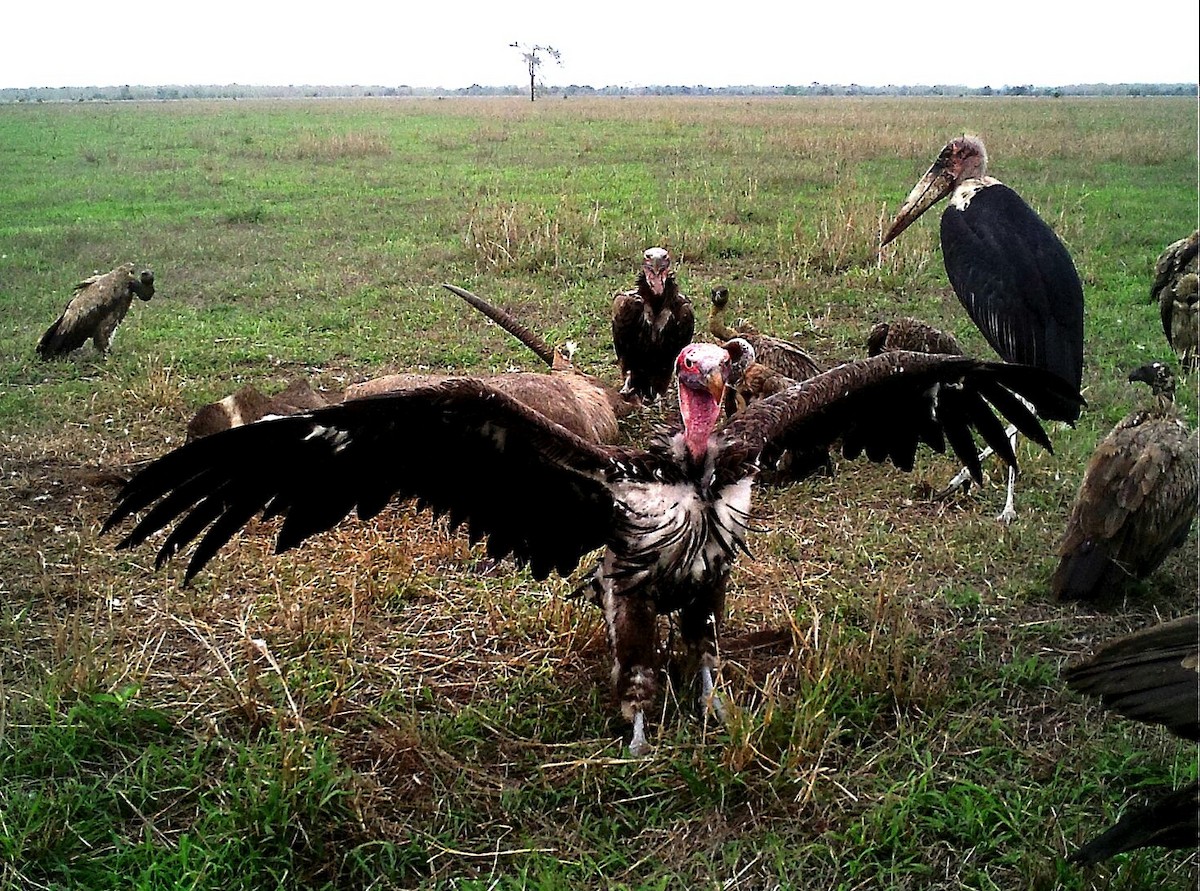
385, 707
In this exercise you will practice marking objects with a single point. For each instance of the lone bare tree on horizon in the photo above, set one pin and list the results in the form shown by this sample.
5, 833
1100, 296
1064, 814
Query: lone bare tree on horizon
532, 56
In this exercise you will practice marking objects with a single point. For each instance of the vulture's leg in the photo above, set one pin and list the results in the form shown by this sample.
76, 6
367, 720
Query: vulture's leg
632, 622
104, 333
698, 628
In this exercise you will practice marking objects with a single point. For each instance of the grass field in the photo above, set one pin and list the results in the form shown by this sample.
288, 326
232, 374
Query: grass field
385, 708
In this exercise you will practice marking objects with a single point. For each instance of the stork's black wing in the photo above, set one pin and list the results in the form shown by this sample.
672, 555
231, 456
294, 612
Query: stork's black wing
534, 489
886, 405
1016, 280
1149, 676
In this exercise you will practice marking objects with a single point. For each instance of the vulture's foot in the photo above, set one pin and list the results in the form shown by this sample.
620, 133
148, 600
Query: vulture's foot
1007, 515
638, 745
710, 699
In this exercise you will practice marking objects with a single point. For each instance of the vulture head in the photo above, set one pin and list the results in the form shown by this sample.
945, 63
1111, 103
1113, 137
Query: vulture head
704, 371
656, 267
962, 158
1158, 376
143, 285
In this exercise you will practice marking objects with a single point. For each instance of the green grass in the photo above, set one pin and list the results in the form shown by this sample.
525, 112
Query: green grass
383, 707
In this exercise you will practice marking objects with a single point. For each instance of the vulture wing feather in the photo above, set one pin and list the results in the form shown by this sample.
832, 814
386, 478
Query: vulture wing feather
459, 447
874, 405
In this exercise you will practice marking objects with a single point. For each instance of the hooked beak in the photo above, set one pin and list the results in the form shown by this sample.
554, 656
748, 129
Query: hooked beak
656, 274
935, 185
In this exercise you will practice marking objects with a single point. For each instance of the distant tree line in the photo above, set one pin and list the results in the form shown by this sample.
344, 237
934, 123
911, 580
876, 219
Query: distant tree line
129, 92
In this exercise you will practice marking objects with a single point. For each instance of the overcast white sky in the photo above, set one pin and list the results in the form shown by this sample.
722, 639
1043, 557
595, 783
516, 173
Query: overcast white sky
455, 44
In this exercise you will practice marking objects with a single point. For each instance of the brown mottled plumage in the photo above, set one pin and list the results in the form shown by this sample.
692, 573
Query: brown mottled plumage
670, 518
249, 404
1137, 499
650, 325
779, 355
1175, 291
1149, 676
911, 334
96, 308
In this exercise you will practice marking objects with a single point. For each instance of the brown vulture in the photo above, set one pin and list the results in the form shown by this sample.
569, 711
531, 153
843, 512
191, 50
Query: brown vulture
670, 517
1010, 271
650, 325
1175, 292
1149, 676
96, 308
907, 333
1137, 499
781, 356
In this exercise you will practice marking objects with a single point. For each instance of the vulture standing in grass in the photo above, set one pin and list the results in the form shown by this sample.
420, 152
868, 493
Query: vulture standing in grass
96, 308
1175, 292
1137, 500
1010, 271
907, 333
1149, 676
670, 518
650, 325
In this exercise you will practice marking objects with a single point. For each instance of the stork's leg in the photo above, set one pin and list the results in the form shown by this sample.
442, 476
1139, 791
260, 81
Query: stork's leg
1010, 511
962, 480
632, 641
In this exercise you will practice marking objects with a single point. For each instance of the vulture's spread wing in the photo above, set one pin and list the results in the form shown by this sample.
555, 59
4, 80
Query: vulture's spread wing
885, 406
534, 489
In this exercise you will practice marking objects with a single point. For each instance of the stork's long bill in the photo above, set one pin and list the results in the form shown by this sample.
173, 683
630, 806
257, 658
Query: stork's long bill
962, 158
703, 370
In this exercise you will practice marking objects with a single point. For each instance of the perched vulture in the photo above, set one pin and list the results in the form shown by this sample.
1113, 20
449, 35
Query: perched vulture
249, 404
1010, 271
907, 333
1175, 291
1137, 499
1149, 676
650, 325
671, 517
96, 308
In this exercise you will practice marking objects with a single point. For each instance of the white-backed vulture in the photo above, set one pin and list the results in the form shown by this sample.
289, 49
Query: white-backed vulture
97, 306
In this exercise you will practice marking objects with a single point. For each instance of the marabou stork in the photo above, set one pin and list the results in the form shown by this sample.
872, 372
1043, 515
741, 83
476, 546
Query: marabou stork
1008, 268
1152, 676
96, 308
650, 325
1137, 500
671, 517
